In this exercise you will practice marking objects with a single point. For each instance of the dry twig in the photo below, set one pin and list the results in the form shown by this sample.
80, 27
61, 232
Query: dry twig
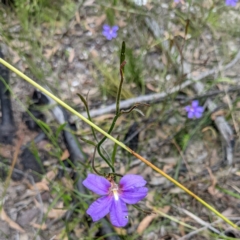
161, 96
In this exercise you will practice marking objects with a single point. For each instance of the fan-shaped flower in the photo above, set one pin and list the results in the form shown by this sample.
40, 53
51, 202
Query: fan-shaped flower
179, 1
232, 3
109, 32
130, 190
194, 111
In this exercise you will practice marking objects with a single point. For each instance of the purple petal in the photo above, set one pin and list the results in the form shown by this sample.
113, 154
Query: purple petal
106, 27
115, 28
232, 3
105, 33
131, 181
109, 37
195, 103
187, 108
97, 184
190, 115
114, 35
100, 208
199, 109
134, 196
198, 114
119, 213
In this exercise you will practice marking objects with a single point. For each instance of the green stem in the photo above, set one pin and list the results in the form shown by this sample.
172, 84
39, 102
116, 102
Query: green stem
93, 166
122, 64
119, 93
104, 138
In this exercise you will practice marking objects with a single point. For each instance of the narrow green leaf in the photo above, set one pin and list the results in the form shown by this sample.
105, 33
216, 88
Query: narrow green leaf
114, 152
59, 129
44, 126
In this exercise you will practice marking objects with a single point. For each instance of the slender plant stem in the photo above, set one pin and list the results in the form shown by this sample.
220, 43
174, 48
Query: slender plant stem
93, 166
122, 64
104, 138
119, 92
102, 156
63, 104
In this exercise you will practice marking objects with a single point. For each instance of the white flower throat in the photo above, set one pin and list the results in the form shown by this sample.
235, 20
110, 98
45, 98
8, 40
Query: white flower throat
114, 189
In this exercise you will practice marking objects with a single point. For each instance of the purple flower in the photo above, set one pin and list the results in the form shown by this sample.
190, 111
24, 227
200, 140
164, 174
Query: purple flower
232, 3
109, 32
130, 190
194, 111
179, 1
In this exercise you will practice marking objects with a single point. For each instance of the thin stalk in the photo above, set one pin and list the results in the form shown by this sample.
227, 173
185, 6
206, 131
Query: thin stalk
104, 138
93, 166
63, 104
122, 64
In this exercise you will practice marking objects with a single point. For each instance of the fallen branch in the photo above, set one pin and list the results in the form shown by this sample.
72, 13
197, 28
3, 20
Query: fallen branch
160, 96
191, 234
199, 220
222, 125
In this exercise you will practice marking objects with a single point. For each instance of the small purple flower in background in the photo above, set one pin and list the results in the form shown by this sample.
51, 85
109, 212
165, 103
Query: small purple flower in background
179, 1
194, 111
232, 3
130, 190
109, 32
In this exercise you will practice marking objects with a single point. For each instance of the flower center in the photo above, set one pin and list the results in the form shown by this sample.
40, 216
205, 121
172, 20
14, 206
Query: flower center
114, 190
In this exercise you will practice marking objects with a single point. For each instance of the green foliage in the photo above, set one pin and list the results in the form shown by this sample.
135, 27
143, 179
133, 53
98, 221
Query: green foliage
35, 12
110, 16
134, 68
111, 79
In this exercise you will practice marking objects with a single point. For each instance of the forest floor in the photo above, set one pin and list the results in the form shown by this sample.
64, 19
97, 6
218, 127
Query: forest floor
175, 54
